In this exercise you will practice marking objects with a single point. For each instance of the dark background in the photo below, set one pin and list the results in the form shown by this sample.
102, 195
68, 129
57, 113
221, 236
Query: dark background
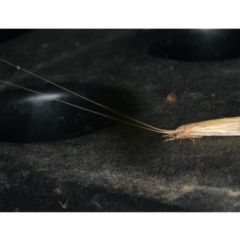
57, 158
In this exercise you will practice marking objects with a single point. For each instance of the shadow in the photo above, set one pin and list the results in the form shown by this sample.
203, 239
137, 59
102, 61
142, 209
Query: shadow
27, 117
8, 34
190, 44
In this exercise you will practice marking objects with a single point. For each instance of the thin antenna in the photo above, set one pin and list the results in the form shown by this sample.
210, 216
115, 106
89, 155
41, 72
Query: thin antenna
88, 110
65, 89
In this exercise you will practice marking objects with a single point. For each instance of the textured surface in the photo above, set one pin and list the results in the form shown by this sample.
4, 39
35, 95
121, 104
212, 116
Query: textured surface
122, 168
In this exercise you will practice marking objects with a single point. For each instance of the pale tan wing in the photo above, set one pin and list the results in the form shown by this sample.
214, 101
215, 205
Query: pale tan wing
217, 127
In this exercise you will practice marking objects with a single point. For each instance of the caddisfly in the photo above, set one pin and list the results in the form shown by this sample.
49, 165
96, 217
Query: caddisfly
215, 127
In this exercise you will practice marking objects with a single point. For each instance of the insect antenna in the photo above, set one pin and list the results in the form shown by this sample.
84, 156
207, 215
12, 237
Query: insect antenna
147, 126
85, 109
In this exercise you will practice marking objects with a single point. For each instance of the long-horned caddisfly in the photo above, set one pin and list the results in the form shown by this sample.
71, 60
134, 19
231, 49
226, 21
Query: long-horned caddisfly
215, 127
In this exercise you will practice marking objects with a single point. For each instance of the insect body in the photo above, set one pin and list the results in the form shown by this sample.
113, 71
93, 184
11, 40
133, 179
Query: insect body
216, 127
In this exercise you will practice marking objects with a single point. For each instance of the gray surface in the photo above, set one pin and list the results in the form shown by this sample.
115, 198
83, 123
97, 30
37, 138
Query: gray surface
122, 159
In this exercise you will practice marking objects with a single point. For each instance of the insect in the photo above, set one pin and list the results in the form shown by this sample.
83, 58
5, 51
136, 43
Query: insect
216, 127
